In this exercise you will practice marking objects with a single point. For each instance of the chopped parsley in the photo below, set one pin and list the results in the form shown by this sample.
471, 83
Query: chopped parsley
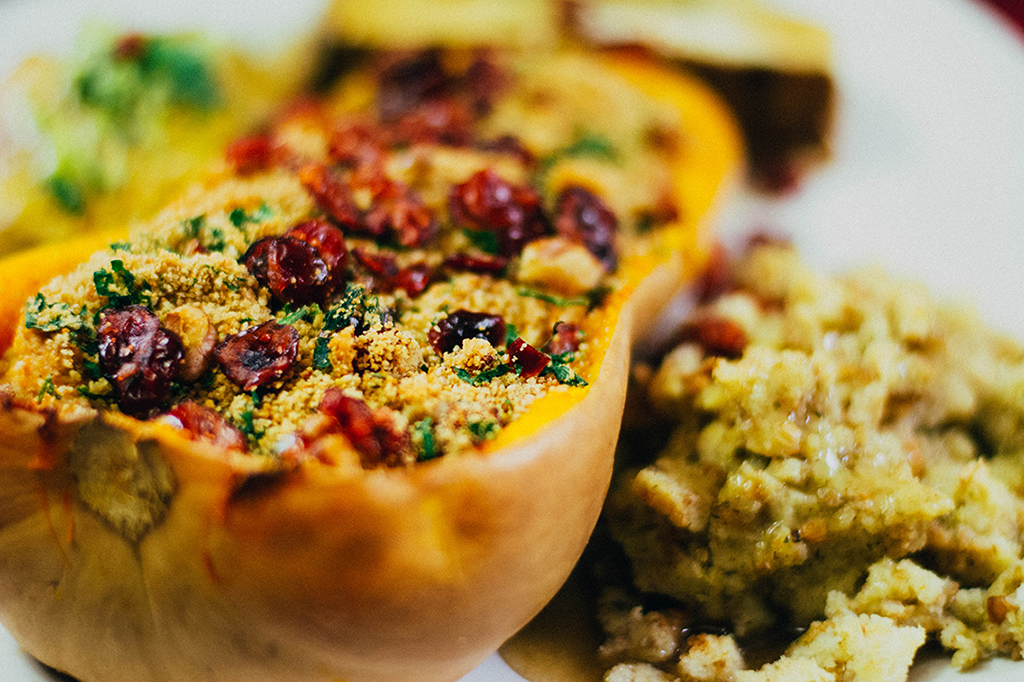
560, 301
68, 193
240, 218
484, 376
50, 317
423, 434
482, 239
358, 308
293, 316
47, 388
119, 286
483, 430
322, 354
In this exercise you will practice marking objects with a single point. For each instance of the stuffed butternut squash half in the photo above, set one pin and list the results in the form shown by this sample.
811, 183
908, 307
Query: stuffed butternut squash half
347, 409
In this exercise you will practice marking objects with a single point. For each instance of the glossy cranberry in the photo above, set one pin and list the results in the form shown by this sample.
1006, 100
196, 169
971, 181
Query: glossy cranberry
582, 216
329, 242
356, 146
528, 360
446, 121
411, 221
565, 338
251, 154
413, 279
139, 358
486, 201
258, 355
372, 435
481, 264
449, 333
291, 268
380, 266
205, 424
331, 193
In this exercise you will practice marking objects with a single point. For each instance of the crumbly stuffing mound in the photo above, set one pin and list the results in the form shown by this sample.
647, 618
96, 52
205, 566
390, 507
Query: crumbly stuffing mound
370, 266
846, 455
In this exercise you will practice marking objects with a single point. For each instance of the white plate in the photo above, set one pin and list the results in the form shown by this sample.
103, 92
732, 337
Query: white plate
927, 179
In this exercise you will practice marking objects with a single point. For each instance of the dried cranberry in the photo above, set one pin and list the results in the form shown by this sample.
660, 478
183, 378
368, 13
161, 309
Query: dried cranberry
397, 210
451, 331
412, 222
565, 338
381, 266
716, 278
408, 82
356, 146
528, 360
511, 145
329, 243
582, 216
139, 357
718, 336
202, 423
440, 121
483, 81
482, 264
371, 433
413, 279
251, 154
385, 275
486, 201
331, 193
292, 269
258, 355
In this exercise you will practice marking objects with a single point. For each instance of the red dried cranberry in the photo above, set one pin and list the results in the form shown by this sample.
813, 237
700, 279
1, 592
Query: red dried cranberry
385, 275
583, 217
139, 357
258, 355
718, 336
381, 266
408, 82
482, 264
290, 268
331, 193
414, 279
412, 222
486, 201
451, 331
202, 423
511, 145
484, 80
716, 278
440, 121
565, 338
528, 360
357, 146
251, 154
371, 434
329, 241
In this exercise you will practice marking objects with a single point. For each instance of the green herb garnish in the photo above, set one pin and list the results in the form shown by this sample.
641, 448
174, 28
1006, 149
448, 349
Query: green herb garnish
119, 286
423, 433
483, 430
560, 301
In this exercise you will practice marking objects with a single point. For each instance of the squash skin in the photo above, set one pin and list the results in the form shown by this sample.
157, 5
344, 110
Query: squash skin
321, 572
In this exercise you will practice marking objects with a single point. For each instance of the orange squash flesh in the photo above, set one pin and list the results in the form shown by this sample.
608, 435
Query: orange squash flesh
328, 572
